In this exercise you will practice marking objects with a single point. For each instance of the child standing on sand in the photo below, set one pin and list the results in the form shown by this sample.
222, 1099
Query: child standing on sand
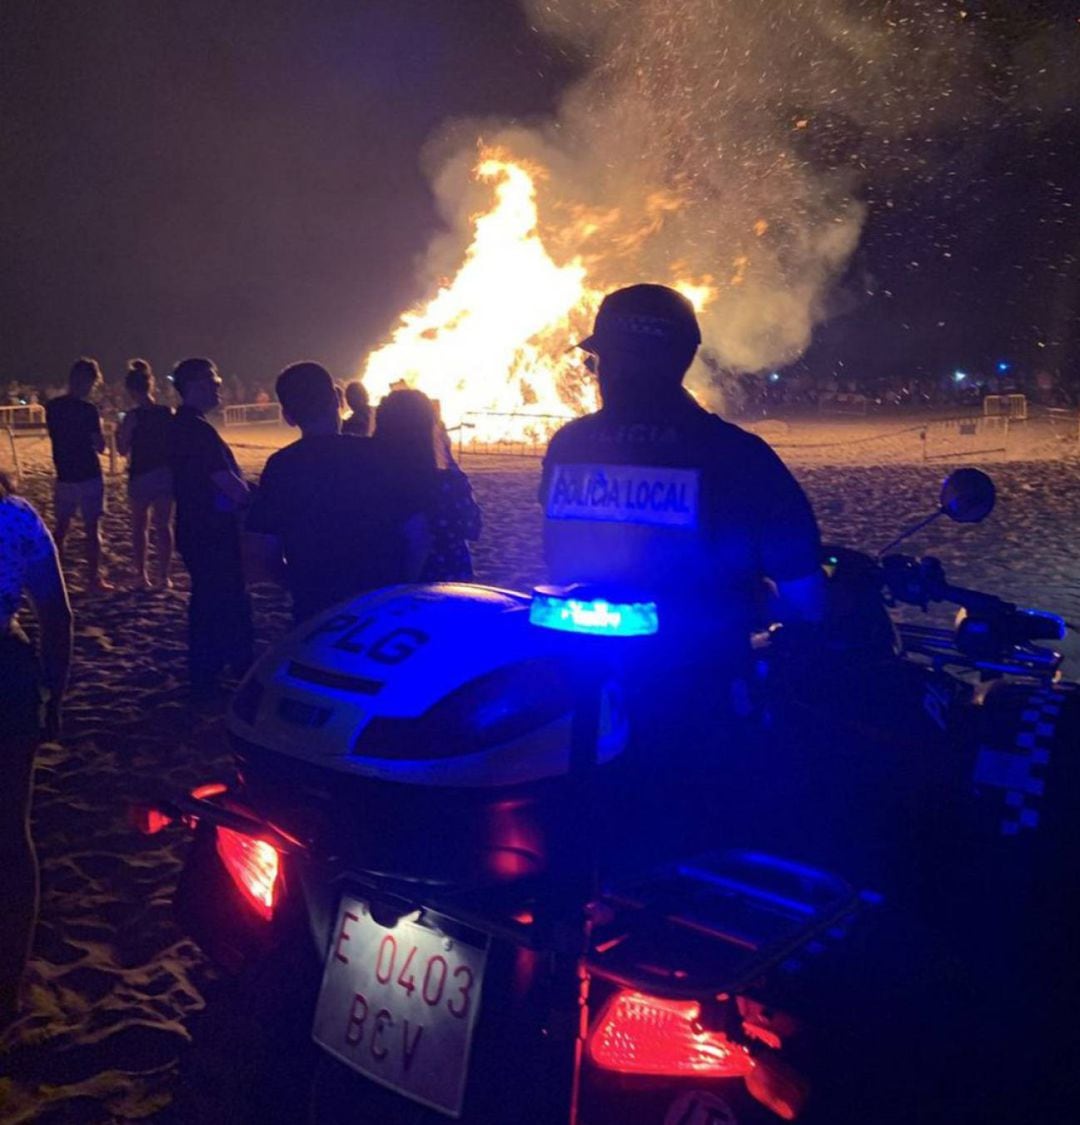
143, 438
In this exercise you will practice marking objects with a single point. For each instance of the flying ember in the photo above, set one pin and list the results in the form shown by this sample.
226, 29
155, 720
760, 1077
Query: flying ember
491, 346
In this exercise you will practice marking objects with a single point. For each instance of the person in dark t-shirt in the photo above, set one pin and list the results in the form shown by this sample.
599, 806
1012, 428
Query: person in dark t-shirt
329, 518
75, 431
143, 438
210, 495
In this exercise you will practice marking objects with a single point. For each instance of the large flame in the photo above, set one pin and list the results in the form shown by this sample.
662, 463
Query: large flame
491, 347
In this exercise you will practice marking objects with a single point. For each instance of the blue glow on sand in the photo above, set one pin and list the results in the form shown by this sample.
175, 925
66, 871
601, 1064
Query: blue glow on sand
595, 616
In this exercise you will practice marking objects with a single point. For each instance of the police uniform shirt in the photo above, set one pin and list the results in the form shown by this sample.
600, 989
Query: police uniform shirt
680, 506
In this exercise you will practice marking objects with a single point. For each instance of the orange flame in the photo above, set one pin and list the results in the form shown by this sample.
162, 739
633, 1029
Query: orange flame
493, 341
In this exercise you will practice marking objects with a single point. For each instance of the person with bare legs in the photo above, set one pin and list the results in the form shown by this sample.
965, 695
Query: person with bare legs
77, 441
143, 438
32, 687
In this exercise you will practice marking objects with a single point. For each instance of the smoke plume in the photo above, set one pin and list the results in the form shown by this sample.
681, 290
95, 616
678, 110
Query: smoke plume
729, 140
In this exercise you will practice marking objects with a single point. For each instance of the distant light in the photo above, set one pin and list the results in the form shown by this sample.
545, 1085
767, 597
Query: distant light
774, 377
959, 376
595, 616
1003, 366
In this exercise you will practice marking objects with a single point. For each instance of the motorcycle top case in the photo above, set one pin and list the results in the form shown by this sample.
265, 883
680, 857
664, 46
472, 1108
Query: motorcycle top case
427, 727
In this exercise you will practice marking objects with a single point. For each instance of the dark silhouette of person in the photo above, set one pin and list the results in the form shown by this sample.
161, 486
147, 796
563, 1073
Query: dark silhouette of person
211, 494
358, 423
329, 519
74, 425
409, 437
655, 493
143, 438
32, 685
654, 498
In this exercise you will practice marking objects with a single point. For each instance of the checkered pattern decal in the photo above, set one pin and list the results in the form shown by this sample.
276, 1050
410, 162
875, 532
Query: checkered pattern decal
1020, 772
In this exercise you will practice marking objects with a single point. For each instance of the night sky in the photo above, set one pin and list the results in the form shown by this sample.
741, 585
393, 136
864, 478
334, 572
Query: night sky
247, 181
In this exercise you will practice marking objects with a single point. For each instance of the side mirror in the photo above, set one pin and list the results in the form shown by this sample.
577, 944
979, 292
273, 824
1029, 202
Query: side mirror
967, 496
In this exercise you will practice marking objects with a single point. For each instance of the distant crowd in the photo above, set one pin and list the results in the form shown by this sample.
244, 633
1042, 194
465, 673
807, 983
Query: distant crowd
365, 498
794, 391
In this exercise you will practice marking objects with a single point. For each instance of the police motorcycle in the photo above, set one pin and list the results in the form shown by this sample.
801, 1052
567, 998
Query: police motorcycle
414, 869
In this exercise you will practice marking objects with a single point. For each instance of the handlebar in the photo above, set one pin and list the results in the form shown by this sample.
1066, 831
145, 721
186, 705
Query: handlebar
987, 618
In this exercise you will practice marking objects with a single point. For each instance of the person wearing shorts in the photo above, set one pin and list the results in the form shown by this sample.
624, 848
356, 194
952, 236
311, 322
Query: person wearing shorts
32, 685
77, 440
143, 438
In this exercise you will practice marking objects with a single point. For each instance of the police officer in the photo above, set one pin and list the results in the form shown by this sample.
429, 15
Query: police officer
655, 493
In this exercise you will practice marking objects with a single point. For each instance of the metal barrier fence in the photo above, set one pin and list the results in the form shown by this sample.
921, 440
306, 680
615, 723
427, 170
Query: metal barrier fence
252, 413
965, 437
1008, 406
16, 467
32, 414
515, 434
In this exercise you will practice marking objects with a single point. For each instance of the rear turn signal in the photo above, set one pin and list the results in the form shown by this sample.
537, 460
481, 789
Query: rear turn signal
638, 1034
253, 865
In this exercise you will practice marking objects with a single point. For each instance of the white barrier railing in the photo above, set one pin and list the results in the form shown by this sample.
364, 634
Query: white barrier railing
1007, 406
32, 414
16, 467
252, 413
965, 437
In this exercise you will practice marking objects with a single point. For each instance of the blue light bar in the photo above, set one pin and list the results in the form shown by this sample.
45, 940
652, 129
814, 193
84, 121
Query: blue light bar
595, 616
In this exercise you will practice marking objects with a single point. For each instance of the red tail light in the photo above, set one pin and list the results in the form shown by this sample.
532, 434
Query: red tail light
254, 866
638, 1034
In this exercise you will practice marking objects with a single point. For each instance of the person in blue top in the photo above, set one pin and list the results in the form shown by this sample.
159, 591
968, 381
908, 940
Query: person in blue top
32, 684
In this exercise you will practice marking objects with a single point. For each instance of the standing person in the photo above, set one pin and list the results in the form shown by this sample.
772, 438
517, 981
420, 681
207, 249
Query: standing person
328, 518
143, 438
656, 493
31, 690
74, 425
210, 494
358, 423
408, 437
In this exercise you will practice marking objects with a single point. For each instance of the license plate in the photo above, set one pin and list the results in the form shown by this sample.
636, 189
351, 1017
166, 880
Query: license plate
399, 1005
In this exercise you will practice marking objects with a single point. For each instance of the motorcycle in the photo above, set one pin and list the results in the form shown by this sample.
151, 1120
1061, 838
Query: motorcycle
417, 871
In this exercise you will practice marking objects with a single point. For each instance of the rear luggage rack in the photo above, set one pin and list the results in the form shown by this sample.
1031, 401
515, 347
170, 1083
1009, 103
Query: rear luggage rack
716, 923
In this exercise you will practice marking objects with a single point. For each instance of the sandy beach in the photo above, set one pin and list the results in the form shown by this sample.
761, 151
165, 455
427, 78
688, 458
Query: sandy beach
113, 983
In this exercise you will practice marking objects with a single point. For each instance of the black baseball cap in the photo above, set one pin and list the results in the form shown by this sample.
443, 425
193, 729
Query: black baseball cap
644, 316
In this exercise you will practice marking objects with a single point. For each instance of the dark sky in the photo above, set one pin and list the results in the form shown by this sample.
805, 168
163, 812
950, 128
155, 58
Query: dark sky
235, 179
243, 180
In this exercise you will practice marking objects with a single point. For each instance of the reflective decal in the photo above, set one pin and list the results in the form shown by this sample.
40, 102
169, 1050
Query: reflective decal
648, 494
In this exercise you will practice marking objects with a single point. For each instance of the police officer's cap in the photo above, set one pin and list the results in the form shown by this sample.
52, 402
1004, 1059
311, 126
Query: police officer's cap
644, 316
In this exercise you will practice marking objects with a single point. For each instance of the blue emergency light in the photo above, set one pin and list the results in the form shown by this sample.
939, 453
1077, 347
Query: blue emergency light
571, 612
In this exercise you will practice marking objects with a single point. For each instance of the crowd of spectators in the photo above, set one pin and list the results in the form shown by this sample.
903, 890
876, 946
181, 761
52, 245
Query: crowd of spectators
799, 390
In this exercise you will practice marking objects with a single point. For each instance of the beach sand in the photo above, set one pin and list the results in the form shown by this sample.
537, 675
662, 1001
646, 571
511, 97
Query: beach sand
113, 983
